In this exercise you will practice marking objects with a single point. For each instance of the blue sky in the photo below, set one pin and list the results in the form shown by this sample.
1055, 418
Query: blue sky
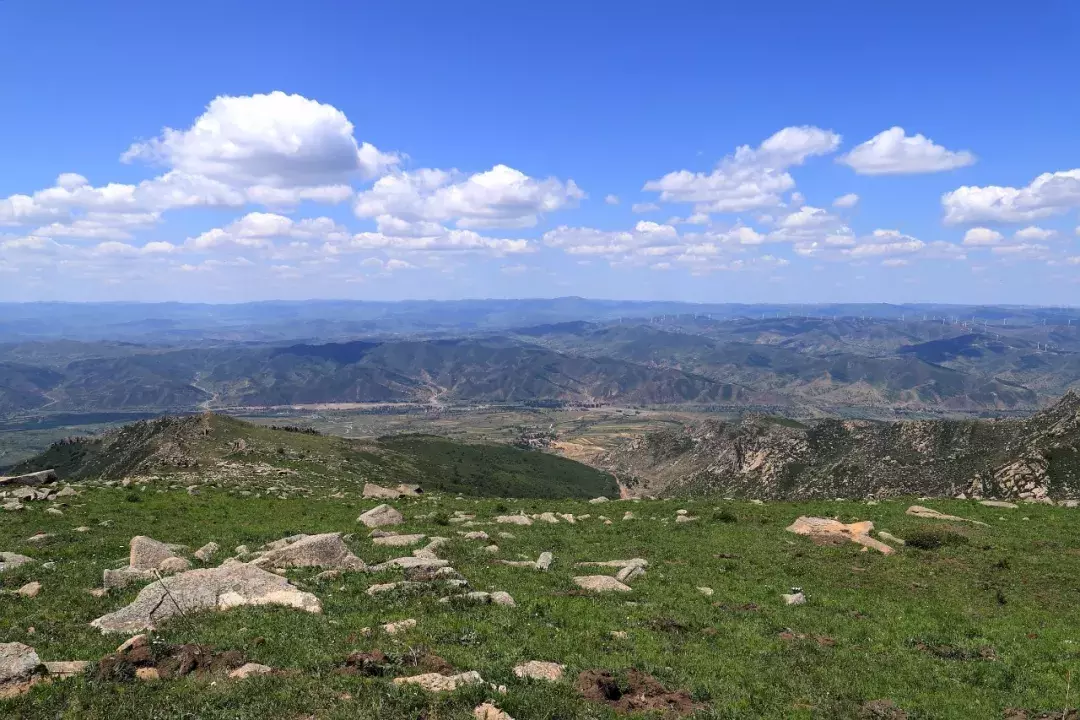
239, 151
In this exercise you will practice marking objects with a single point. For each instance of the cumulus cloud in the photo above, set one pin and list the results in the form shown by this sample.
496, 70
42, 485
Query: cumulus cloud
259, 230
982, 237
645, 207
751, 177
1033, 233
1048, 194
498, 198
894, 152
611, 199
447, 240
275, 139
846, 201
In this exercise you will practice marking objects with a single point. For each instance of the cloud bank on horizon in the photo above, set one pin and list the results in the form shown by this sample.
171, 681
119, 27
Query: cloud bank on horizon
289, 191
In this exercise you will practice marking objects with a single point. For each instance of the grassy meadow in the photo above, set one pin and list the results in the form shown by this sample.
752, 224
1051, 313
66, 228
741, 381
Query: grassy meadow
977, 622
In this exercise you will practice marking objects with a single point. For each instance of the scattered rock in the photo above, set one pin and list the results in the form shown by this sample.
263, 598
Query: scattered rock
207, 552
54, 511
684, 518
371, 490
327, 550
597, 500
435, 682
924, 512
513, 520
122, 577
796, 597
66, 668
241, 551
540, 670
881, 710
148, 553
544, 561
618, 634
147, 674
706, 591
600, 583
475, 535
18, 663
889, 537
827, 529
502, 598
398, 540
491, 549
381, 516
174, 565
10, 561
628, 515
135, 641
30, 589
400, 626
999, 504
34, 479
231, 585
629, 573
249, 669
487, 711
632, 562
548, 517
408, 563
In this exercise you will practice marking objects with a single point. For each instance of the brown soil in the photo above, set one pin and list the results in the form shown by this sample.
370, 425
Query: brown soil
426, 662
635, 692
372, 663
171, 661
881, 710
822, 640
951, 652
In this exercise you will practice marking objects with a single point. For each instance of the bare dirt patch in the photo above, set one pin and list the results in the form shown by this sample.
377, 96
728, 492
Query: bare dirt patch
881, 710
634, 692
170, 661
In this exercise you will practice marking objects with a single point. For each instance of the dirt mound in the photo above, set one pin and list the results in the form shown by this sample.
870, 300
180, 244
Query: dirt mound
170, 661
881, 710
634, 692
376, 663
371, 664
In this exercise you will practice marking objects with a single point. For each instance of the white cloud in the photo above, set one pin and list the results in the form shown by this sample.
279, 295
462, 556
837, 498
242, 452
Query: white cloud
644, 207
1049, 194
981, 237
750, 178
846, 201
100, 226
112, 247
1024, 251
513, 269
1033, 233
258, 230
395, 264
447, 240
276, 140
500, 197
896, 262
611, 199
893, 152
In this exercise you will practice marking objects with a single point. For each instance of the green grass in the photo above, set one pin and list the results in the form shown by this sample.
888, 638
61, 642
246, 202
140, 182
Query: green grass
913, 627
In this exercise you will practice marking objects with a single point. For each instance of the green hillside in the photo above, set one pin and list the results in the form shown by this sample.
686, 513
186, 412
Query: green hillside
227, 451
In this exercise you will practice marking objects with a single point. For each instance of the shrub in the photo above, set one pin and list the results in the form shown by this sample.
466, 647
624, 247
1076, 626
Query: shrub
725, 516
441, 518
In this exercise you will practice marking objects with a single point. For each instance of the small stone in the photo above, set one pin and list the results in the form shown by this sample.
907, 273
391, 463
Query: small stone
629, 573
628, 515
491, 549
30, 589
66, 669
540, 670
147, 674
999, 504
18, 662
600, 583
597, 500
544, 561
682, 512
476, 535
487, 711
398, 540
434, 682
174, 565
381, 516
513, 520
400, 626
82, 529
502, 598
796, 597
619, 634
10, 561
133, 643
241, 550
54, 511
98, 592
889, 537
684, 518
207, 552
548, 517
706, 591
249, 669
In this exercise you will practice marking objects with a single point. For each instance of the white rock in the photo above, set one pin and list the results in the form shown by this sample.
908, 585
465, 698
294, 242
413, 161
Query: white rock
381, 516
600, 583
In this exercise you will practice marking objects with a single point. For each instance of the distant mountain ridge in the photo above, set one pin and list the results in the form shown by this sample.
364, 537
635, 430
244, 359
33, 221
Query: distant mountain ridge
759, 457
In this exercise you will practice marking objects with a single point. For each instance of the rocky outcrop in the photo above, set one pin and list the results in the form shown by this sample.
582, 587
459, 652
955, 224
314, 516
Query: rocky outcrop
232, 585
327, 550
381, 516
